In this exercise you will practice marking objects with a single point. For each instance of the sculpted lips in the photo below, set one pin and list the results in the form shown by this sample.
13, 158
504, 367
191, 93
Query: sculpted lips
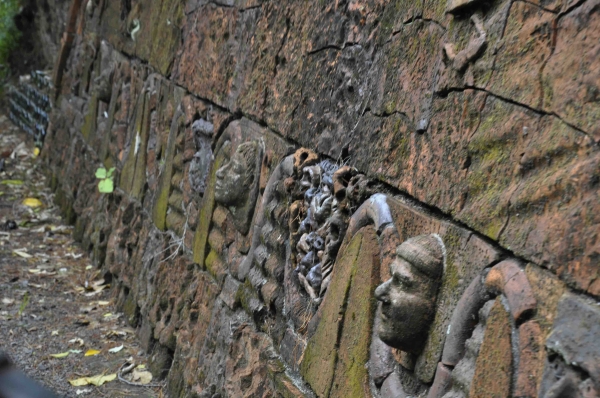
384, 312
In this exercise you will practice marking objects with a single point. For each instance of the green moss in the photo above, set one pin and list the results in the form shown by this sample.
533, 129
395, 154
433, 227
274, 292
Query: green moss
211, 263
351, 376
397, 11
88, 129
245, 295
128, 173
166, 34
284, 386
435, 9
321, 354
159, 209
206, 210
139, 178
131, 310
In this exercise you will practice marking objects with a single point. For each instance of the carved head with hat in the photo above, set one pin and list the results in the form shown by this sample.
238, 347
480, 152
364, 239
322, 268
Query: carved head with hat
408, 298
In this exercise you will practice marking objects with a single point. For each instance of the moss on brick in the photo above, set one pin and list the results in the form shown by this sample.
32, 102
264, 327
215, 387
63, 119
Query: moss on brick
321, 354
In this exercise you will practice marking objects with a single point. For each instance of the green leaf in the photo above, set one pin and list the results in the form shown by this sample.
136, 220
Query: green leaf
61, 355
110, 172
12, 182
101, 172
106, 185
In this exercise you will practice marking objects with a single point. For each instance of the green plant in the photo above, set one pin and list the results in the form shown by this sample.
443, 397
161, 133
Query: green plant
106, 183
9, 34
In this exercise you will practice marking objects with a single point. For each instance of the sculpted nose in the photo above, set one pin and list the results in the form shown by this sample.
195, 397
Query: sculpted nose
382, 292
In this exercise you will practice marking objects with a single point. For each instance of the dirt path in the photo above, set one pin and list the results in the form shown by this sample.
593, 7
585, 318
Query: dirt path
52, 300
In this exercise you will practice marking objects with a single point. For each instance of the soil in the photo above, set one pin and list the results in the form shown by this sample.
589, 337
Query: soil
52, 299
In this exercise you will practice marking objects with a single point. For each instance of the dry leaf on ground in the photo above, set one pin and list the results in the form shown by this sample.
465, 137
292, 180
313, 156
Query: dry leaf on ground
22, 253
61, 355
97, 380
116, 349
91, 352
141, 376
32, 202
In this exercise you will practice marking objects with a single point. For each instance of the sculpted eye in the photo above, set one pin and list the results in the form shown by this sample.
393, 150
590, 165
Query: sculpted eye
403, 281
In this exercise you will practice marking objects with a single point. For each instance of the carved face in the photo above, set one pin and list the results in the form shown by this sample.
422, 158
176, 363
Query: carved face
234, 178
408, 302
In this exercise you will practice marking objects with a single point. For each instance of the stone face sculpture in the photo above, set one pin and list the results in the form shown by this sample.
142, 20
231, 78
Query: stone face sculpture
236, 181
408, 298
235, 177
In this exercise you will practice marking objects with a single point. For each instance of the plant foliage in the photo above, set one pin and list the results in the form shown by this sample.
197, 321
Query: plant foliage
106, 183
9, 34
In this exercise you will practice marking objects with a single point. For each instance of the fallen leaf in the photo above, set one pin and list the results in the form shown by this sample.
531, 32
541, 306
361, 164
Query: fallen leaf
88, 267
95, 380
103, 302
61, 355
91, 352
36, 152
54, 333
75, 351
141, 376
32, 202
20, 151
77, 341
116, 333
8, 301
107, 314
92, 294
87, 309
116, 349
12, 182
22, 254
85, 391
83, 381
101, 379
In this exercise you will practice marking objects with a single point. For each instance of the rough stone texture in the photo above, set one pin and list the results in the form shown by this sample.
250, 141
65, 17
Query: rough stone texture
527, 45
547, 290
576, 327
531, 358
475, 121
570, 80
493, 368
510, 279
351, 376
321, 355
463, 372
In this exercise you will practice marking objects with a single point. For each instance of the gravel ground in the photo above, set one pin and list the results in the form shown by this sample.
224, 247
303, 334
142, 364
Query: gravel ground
52, 300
